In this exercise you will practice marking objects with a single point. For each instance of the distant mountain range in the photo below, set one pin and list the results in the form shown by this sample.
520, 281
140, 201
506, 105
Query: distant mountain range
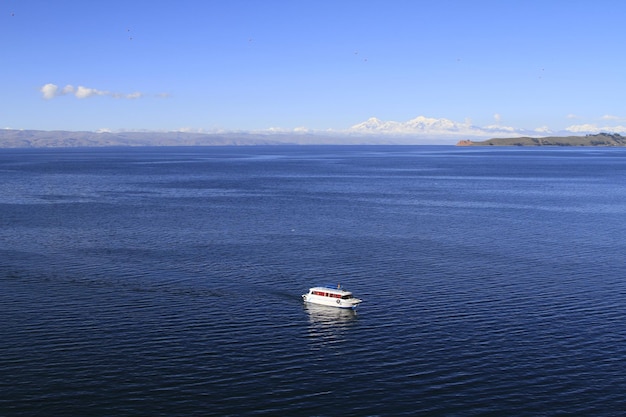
39, 139
361, 135
61, 138
600, 139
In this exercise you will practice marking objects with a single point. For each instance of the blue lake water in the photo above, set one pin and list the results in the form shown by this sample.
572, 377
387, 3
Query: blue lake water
167, 281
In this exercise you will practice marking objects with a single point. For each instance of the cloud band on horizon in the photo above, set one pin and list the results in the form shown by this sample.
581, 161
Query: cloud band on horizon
440, 127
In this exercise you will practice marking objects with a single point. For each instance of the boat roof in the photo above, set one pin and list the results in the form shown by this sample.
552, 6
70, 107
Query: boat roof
332, 289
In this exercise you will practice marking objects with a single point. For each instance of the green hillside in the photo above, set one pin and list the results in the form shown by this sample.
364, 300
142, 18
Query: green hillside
600, 139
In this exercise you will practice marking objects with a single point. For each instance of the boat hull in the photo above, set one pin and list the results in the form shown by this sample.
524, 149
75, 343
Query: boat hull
331, 302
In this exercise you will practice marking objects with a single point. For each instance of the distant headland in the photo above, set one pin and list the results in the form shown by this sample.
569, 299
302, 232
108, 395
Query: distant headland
600, 139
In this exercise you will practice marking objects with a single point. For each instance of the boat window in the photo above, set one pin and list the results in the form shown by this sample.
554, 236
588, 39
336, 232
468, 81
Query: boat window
345, 297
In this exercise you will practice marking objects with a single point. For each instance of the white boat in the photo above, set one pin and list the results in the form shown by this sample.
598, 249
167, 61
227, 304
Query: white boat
332, 297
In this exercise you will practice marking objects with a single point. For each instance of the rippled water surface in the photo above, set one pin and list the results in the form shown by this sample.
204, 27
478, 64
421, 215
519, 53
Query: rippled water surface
167, 281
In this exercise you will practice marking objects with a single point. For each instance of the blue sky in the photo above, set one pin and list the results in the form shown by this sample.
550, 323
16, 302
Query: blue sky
420, 67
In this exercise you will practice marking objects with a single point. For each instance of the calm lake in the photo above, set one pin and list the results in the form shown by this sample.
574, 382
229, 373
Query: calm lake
168, 281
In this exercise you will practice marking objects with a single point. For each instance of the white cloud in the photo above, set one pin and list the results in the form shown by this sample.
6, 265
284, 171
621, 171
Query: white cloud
84, 92
591, 128
278, 130
497, 117
615, 129
499, 128
586, 128
50, 91
572, 116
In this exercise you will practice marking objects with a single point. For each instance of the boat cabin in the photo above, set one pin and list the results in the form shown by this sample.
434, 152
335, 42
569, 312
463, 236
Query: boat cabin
330, 296
332, 293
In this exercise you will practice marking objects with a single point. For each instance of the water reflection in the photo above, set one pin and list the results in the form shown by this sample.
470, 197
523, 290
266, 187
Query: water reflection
329, 323
331, 316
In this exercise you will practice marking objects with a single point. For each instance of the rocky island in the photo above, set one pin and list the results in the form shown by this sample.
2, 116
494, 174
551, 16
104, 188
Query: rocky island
600, 139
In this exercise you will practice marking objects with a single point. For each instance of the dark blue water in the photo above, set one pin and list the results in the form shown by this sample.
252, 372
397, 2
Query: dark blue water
167, 281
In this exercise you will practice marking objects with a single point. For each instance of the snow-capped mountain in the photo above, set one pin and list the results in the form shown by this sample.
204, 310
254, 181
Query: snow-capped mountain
431, 126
